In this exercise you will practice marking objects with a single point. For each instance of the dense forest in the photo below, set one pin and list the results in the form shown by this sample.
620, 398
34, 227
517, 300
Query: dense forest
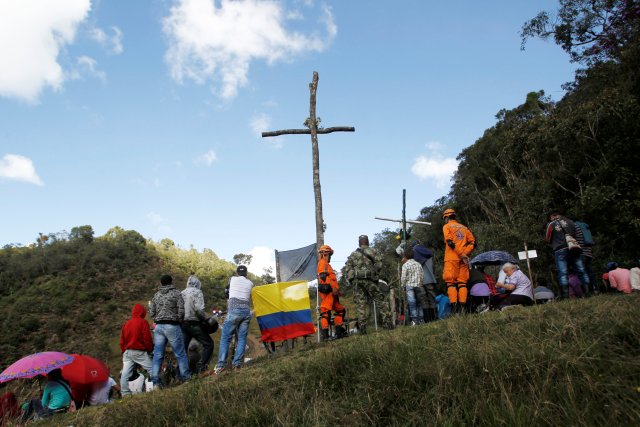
579, 155
71, 291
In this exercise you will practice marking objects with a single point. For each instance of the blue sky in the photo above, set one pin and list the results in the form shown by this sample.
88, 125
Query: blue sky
147, 114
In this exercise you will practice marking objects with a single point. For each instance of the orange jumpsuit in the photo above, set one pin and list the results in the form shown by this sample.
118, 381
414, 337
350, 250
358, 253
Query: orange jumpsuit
456, 272
326, 275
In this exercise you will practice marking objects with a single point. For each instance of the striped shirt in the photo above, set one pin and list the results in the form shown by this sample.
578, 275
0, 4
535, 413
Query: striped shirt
412, 274
586, 250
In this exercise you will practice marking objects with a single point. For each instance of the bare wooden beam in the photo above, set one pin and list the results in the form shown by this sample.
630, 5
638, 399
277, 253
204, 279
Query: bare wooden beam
308, 131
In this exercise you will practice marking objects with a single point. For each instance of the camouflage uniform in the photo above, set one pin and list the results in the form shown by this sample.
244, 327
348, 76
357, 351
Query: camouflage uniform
363, 275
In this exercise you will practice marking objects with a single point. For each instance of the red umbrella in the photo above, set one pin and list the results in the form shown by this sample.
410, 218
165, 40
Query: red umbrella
85, 370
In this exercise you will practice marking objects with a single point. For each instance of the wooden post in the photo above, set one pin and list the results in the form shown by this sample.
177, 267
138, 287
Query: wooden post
313, 130
317, 192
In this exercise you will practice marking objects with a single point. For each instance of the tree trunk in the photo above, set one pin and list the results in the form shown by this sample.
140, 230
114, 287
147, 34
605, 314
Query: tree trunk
313, 88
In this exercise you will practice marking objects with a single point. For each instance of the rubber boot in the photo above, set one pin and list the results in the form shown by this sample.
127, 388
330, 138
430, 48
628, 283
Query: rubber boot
324, 334
455, 309
433, 314
340, 332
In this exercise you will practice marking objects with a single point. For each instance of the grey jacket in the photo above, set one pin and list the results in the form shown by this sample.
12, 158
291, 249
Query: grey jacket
167, 305
193, 301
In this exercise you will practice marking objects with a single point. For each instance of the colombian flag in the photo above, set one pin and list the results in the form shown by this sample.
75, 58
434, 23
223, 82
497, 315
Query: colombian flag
283, 310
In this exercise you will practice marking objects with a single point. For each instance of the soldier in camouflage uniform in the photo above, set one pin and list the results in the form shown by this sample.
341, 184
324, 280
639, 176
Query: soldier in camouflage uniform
363, 270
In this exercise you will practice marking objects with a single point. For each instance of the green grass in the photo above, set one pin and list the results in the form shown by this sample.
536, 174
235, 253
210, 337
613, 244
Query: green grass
569, 363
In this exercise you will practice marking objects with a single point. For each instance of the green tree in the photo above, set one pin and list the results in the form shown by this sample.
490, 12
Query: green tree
242, 259
83, 233
588, 30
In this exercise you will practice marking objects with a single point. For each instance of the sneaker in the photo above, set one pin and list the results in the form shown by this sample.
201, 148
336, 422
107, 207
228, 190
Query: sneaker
218, 370
413, 323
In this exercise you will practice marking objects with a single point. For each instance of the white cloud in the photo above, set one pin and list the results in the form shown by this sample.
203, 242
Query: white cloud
434, 146
113, 43
216, 41
32, 33
435, 167
86, 65
158, 222
207, 158
263, 257
261, 123
19, 168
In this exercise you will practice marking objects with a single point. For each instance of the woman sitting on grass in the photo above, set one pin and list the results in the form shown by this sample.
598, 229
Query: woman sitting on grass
55, 398
518, 284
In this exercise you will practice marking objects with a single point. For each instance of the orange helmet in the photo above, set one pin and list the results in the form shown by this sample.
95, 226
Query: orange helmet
448, 213
326, 249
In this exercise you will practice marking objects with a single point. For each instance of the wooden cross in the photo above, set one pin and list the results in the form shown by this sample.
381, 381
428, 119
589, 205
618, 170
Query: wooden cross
313, 130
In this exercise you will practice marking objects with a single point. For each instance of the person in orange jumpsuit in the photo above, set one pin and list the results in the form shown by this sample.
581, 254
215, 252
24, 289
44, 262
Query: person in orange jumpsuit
329, 291
459, 242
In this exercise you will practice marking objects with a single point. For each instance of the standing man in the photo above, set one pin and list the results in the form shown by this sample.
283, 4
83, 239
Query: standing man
194, 315
167, 310
238, 318
363, 268
557, 230
424, 256
411, 279
136, 344
587, 256
459, 243
329, 291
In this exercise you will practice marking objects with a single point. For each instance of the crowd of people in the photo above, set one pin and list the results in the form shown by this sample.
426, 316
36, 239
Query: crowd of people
468, 288
181, 321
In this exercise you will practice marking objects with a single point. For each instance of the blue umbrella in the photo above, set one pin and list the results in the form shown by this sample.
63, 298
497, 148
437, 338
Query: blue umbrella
493, 258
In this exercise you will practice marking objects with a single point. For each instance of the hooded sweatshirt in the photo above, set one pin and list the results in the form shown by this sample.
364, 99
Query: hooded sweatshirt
167, 306
136, 334
193, 301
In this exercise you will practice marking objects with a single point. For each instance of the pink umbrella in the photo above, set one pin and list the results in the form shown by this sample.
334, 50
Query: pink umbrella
35, 364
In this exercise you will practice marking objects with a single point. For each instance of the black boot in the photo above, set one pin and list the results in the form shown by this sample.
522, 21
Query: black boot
324, 334
455, 308
340, 332
434, 314
564, 292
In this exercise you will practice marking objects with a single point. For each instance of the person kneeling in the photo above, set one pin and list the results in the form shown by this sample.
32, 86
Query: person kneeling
519, 285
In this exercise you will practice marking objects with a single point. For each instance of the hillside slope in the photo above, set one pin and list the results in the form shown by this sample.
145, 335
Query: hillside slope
73, 293
569, 363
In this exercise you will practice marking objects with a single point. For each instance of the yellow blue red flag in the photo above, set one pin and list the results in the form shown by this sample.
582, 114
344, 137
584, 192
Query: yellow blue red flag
283, 310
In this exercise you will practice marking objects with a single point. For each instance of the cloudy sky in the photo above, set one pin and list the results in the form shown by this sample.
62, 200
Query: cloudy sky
148, 115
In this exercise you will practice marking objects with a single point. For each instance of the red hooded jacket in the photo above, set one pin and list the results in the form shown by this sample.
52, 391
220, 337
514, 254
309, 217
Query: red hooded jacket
136, 334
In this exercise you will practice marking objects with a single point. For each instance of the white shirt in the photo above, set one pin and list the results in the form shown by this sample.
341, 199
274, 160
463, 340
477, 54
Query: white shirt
634, 278
240, 288
100, 392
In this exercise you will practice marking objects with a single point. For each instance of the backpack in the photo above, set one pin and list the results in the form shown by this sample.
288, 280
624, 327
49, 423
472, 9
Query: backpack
586, 232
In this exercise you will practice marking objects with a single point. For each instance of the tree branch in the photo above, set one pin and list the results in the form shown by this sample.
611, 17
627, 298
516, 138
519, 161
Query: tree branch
308, 131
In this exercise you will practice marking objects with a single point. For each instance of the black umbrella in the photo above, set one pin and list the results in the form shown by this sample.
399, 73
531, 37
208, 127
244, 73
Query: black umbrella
493, 258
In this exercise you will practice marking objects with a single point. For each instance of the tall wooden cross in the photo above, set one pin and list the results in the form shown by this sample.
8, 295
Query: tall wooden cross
313, 130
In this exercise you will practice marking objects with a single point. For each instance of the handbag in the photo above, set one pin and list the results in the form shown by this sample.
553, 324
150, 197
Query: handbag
572, 243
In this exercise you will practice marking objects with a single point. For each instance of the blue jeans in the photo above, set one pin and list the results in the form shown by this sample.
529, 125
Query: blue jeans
129, 360
162, 334
412, 305
237, 322
564, 259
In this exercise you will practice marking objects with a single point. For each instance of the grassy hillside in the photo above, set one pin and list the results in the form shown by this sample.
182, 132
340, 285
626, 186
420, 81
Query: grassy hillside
569, 363
72, 293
